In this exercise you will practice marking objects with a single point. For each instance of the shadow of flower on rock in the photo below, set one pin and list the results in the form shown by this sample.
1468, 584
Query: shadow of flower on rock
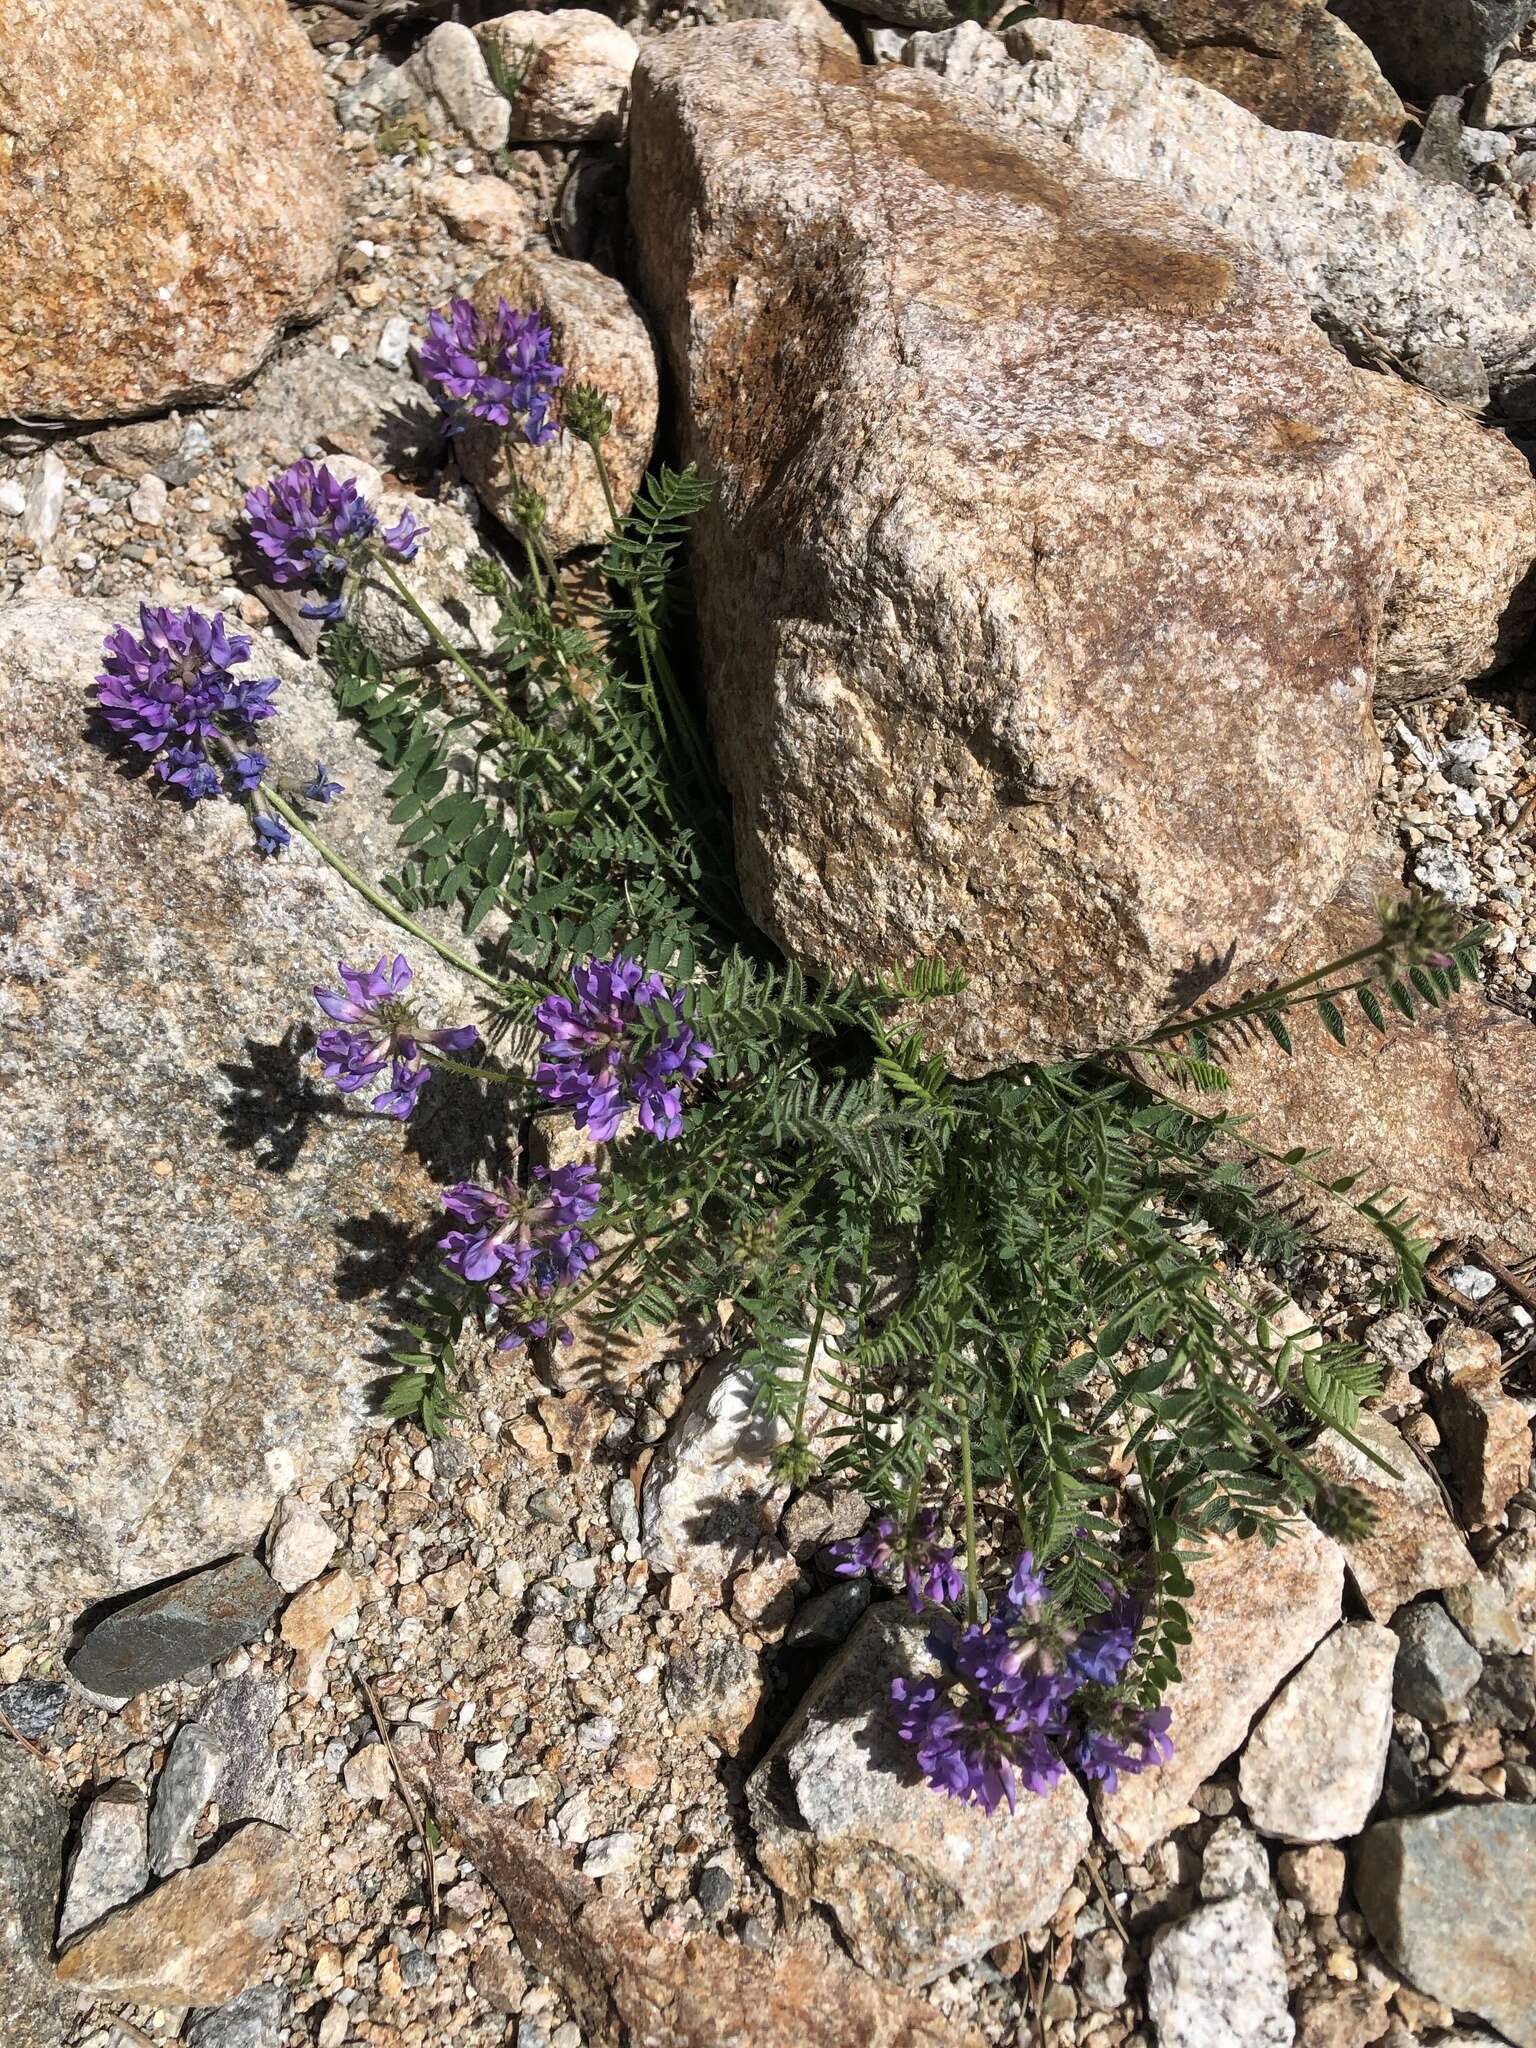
273, 1100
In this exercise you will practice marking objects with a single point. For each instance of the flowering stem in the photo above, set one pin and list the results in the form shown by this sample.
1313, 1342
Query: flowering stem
465, 668
1249, 1006
968, 1489
495, 1075
810, 1367
380, 901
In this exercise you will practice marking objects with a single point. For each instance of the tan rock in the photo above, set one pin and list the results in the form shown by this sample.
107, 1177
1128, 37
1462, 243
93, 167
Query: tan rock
1464, 596
1314, 1876
917, 1882
1313, 1766
1290, 62
807, 15
1485, 1431
601, 339
489, 210
450, 67
570, 73
155, 257
199, 1938
964, 682
1412, 1545
625, 1984
1254, 1614
311, 1617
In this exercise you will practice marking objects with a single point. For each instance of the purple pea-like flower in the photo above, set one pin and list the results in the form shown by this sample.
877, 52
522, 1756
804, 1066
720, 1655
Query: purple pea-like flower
320, 789
870, 1551
1126, 1740
499, 370
932, 1576
272, 835
511, 1232
316, 528
620, 1041
245, 772
378, 1028
1106, 1643
971, 1749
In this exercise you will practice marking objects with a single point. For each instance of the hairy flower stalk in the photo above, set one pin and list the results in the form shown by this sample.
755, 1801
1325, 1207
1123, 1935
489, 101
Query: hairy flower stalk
525, 1246
1022, 1697
617, 1042
380, 1036
318, 529
498, 370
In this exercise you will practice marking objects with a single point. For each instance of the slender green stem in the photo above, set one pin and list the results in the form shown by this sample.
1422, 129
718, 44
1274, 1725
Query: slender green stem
602, 476
535, 572
496, 1076
380, 901
465, 668
1250, 1006
810, 1371
968, 1489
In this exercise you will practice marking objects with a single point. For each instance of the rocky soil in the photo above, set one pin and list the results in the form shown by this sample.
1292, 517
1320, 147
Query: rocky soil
314, 1732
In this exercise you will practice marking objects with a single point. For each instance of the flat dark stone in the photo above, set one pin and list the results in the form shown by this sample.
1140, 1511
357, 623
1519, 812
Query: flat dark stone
32, 1707
176, 1630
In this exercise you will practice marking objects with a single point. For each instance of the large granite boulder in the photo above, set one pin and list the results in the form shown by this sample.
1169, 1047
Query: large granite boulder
174, 198
198, 1227
1388, 260
1021, 652
1291, 62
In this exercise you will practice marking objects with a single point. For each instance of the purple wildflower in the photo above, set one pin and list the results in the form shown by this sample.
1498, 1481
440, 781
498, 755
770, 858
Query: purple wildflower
1106, 1643
932, 1576
316, 528
272, 835
379, 1029
971, 1749
497, 370
620, 1040
245, 772
1125, 1739
513, 1231
320, 789
870, 1551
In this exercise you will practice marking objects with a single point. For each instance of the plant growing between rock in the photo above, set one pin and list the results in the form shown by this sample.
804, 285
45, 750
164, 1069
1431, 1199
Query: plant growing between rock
1002, 1301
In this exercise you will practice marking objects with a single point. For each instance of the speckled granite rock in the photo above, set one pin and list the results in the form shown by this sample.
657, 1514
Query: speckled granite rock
33, 1824
1412, 1545
1385, 257
601, 339
964, 677
917, 1883
1313, 1766
572, 69
1254, 1614
155, 257
110, 1864
212, 1343
1291, 62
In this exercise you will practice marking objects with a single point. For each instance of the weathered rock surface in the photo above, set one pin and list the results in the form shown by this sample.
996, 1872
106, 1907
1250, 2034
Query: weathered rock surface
917, 1882
1451, 1898
1486, 1434
572, 71
1253, 1615
438, 577
253, 2020
1219, 1976
711, 1494
1412, 1545
1437, 1111
182, 1793
1463, 597
155, 258
1496, 1610
808, 15
450, 68
169, 1390
1436, 1666
1508, 100
1313, 1766
33, 1824
1291, 62
715, 1690
1436, 46
110, 1865
964, 680
178, 1629
601, 339
199, 1938
300, 1543
1385, 257
627, 1985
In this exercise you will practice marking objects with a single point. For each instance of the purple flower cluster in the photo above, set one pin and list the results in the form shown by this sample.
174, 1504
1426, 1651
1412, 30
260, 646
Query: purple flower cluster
315, 528
524, 1245
497, 370
170, 693
1020, 1697
380, 1038
932, 1575
618, 1041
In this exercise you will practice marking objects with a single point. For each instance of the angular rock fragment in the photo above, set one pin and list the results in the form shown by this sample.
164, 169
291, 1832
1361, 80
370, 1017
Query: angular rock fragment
199, 1938
1451, 1898
1254, 1614
627, 1985
178, 1629
1436, 46
1313, 1767
185, 1787
1485, 1431
110, 1865
33, 1824
1291, 62
715, 1690
570, 73
1412, 1546
155, 258
1436, 1666
1219, 1976
450, 66
601, 340
1386, 258
917, 1882
964, 682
